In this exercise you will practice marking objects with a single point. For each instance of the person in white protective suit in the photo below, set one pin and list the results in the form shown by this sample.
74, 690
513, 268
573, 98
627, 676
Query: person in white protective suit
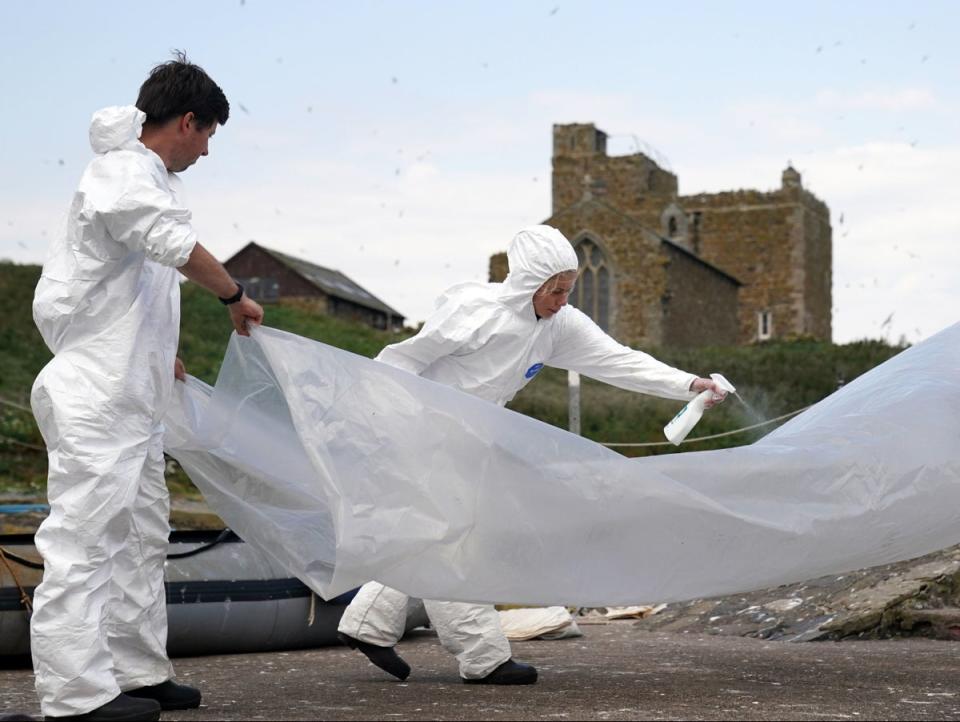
490, 340
108, 306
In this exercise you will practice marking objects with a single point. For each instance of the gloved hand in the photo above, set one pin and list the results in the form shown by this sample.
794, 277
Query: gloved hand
702, 384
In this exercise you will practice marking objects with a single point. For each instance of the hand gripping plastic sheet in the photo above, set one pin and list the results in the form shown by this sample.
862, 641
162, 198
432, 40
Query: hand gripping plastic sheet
346, 470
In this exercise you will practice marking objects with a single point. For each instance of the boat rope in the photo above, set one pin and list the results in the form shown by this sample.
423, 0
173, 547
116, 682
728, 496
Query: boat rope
221, 537
713, 436
6, 555
24, 597
9, 556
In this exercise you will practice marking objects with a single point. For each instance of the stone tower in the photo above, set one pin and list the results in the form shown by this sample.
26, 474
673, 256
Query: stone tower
780, 245
633, 184
662, 269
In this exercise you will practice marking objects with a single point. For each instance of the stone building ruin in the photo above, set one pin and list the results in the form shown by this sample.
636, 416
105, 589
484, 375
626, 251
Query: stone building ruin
663, 269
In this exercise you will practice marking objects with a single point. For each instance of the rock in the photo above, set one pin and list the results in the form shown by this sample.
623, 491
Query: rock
919, 597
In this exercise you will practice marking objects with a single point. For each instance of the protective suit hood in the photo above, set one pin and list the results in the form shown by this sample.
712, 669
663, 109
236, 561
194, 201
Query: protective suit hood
535, 255
117, 127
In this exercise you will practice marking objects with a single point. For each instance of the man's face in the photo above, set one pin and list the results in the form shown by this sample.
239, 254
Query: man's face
193, 142
553, 294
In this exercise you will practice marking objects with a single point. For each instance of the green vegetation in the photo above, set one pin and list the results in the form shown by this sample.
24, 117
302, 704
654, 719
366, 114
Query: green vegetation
774, 378
205, 330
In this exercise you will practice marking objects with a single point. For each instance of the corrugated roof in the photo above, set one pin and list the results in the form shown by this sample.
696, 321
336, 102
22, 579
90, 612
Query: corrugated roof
332, 282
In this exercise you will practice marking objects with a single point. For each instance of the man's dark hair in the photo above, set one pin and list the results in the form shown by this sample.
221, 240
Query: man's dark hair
178, 87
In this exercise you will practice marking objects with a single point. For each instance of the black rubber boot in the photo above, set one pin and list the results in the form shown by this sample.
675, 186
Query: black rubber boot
169, 694
386, 658
122, 708
509, 672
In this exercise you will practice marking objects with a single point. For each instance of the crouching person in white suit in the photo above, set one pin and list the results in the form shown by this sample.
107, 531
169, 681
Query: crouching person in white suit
490, 340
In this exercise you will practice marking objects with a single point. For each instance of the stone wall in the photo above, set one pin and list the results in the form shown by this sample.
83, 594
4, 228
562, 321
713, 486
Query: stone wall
818, 240
660, 294
637, 264
700, 305
634, 184
499, 267
779, 245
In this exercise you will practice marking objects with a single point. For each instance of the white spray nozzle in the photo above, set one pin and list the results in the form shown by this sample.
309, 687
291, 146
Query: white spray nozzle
723, 383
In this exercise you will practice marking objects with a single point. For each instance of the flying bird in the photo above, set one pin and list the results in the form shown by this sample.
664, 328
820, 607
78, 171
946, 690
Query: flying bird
886, 323
554, 11
243, 108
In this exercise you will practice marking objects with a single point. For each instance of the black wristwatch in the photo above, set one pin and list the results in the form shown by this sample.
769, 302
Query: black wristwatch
235, 297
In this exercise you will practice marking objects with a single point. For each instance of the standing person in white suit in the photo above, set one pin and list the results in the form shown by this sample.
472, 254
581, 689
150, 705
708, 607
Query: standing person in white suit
108, 306
490, 340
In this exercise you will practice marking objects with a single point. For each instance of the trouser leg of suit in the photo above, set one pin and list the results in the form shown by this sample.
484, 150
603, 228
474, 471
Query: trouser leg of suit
93, 488
377, 615
137, 619
471, 632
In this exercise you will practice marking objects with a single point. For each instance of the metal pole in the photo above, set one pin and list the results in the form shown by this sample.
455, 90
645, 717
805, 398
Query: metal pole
573, 386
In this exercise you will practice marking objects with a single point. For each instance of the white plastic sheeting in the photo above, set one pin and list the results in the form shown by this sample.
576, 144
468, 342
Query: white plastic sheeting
347, 470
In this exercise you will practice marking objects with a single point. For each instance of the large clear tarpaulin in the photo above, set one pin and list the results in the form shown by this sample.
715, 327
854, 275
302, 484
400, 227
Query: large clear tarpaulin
348, 470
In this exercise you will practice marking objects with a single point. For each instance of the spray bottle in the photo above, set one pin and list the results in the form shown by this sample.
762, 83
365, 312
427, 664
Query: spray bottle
677, 430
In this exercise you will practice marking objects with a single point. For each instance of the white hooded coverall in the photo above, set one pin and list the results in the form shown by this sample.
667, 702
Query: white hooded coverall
108, 306
485, 339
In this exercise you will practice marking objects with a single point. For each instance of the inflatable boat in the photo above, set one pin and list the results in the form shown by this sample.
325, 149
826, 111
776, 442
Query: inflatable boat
223, 596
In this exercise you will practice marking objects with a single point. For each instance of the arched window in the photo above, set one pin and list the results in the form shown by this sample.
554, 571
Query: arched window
592, 293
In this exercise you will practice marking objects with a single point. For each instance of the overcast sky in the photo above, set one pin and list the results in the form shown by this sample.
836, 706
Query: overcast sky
404, 142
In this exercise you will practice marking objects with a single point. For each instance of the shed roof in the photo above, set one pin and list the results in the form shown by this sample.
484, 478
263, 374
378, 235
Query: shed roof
331, 282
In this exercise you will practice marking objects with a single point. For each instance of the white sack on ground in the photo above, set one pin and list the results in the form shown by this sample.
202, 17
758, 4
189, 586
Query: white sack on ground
347, 470
519, 625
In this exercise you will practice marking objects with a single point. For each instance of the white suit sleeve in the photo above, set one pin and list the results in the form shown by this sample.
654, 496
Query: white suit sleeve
443, 334
142, 215
580, 345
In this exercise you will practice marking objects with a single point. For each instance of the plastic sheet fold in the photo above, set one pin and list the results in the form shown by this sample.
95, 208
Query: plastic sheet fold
347, 470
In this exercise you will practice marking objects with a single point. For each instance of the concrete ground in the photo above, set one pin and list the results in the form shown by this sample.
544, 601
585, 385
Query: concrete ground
616, 671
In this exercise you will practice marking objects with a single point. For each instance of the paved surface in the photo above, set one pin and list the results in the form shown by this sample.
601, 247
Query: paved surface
617, 671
